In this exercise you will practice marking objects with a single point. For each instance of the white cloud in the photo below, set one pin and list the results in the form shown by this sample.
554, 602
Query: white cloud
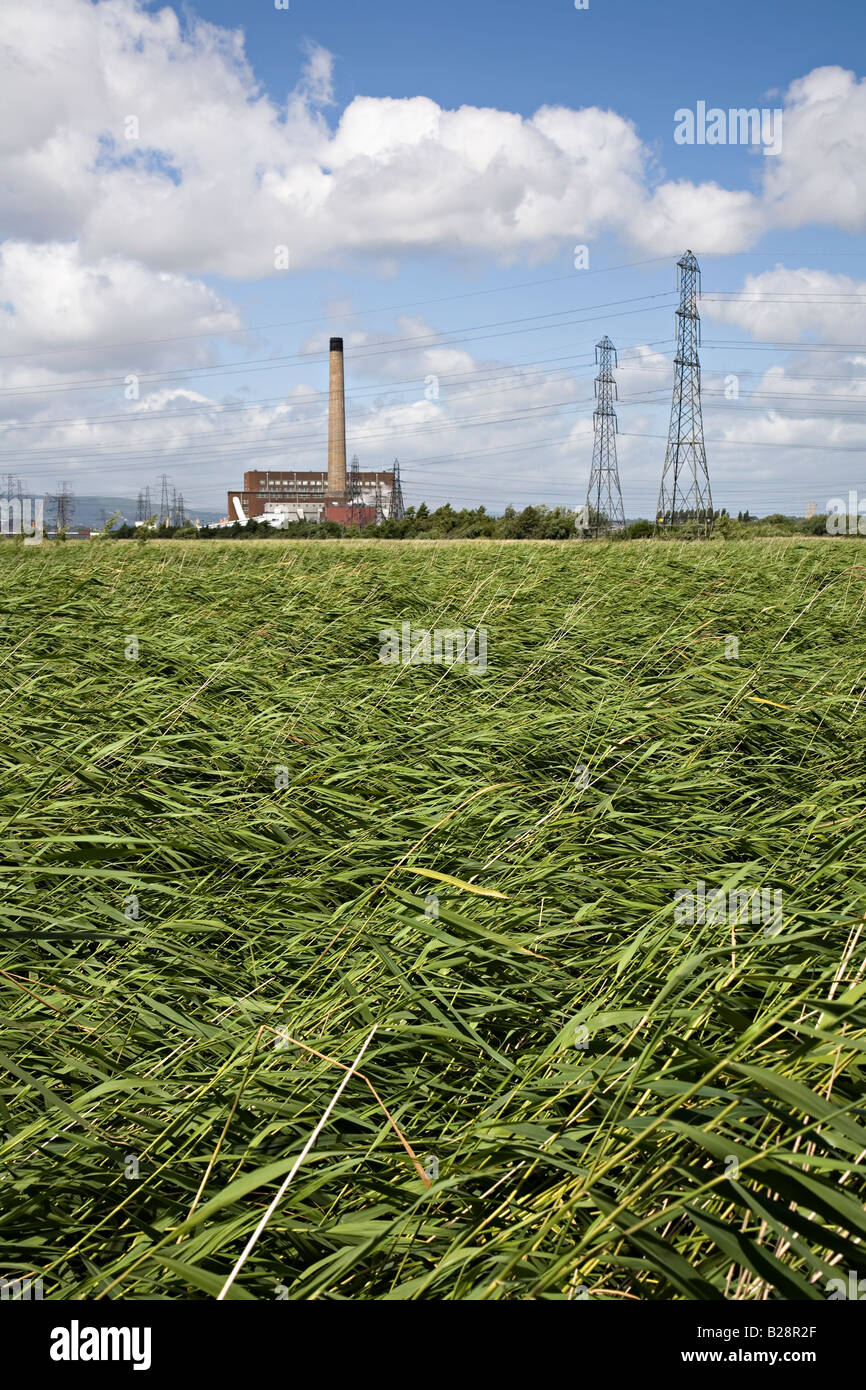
704, 215
317, 83
819, 175
218, 174
783, 305
51, 301
108, 236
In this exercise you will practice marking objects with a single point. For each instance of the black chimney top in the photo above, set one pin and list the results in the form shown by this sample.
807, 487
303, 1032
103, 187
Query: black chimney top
336, 345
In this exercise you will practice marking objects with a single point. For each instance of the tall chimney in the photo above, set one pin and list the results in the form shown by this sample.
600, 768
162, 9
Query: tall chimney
337, 424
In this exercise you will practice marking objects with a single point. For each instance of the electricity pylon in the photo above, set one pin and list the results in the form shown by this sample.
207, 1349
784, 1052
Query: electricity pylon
64, 503
354, 494
685, 488
604, 497
164, 500
395, 502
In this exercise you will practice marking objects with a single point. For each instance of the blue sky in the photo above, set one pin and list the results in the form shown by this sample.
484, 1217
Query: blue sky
431, 216
519, 56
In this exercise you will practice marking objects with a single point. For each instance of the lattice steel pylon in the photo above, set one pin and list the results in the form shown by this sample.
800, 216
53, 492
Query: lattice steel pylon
164, 518
604, 496
354, 495
684, 494
64, 503
395, 502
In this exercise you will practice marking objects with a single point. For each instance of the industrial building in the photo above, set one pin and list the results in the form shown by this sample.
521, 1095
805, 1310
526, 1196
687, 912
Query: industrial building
349, 497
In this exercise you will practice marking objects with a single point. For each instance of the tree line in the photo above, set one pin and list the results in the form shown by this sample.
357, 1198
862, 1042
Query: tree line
421, 523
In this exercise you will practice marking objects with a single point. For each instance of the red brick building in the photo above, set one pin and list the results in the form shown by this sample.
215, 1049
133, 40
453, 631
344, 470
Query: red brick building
264, 491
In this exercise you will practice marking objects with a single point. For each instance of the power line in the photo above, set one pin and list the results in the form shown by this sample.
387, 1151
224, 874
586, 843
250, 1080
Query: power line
377, 388
777, 344
779, 297
276, 438
215, 441
218, 409
298, 323
532, 446
394, 308
444, 338
414, 345
277, 442
260, 450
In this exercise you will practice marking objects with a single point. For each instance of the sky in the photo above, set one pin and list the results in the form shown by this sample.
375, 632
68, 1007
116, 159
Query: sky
193, 199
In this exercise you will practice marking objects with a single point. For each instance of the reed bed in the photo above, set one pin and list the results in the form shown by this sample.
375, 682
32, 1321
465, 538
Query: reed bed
228, 859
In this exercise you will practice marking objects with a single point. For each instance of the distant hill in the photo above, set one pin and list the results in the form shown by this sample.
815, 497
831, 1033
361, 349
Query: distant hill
95, 511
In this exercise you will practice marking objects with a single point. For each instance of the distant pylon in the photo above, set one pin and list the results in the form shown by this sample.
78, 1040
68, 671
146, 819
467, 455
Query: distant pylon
380, 509
353, 492
685, 488
395, 505
604, 497
164, 517
64, 503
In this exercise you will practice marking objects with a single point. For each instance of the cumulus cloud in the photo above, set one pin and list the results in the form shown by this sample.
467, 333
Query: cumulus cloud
51, 301
317, 82
819, 175
139, 153
149, 139
782, 305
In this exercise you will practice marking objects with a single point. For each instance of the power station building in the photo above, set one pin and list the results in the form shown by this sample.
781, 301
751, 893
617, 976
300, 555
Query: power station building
349, 497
